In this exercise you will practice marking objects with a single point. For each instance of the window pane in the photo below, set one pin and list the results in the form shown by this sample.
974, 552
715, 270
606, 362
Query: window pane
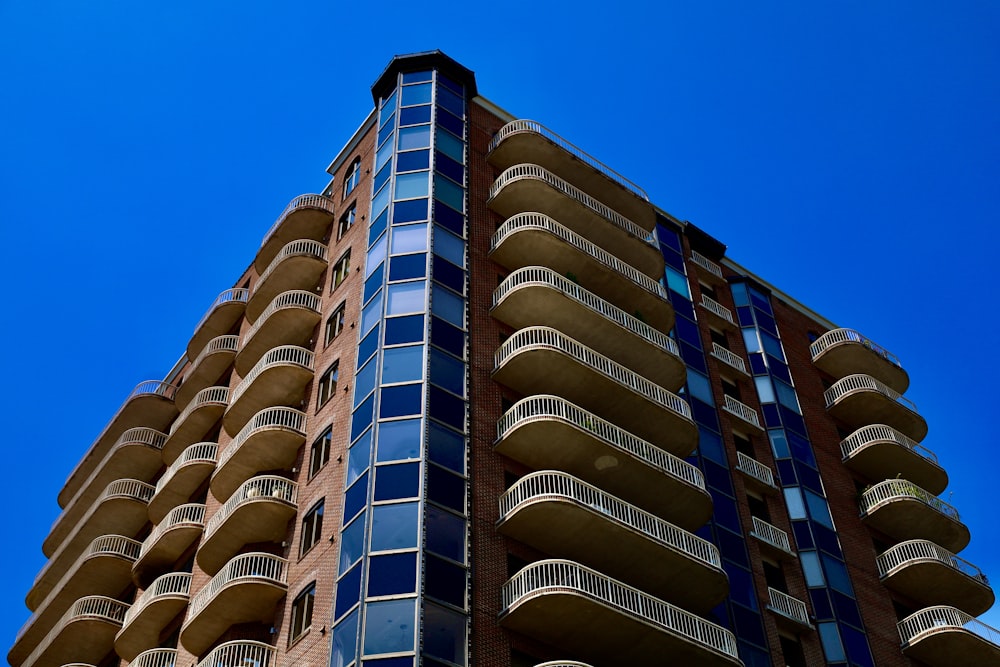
409, 186
412, 161
395, 526
352, 543
409, 238
830, 638
414, 137
449, 246
836, 574
786, 396
447, 372
415, 115
445, 534
796, 507
450, 146
375, 255
392, 574
382, 157
408, 267
677, 282
389, 626
420, 94
406, 298
364, 382
359, 457
345, 641
409, 329
401, 480
818, 509
400, 400
811, 568
779, 444
764, 389
388, 107
751, 341
699, 386
448, 305
371, 313
444, 634
446, 447
451, 194
399, 440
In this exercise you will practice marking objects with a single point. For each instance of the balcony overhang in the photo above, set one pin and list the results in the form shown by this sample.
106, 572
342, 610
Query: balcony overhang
270, 447
930, 579
877, 453
305, 217
904, 517
245, 600
298, 267
222, 315
255, 519
289, 325
207, 368
196, 421
186, 474
945, 637
142, 630
863, 405
161, 554
280, 378
844, 352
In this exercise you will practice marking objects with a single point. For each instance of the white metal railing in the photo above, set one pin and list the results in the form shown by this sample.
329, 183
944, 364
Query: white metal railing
300, 248
922, 550
127, 488
524, 125
113, 545
867, 435
302, 201
288, 419
155, 657
238, 294
754, 468
142, 435
563, 575
838, 336
773, 535
255, 566
563, 663
93, 607
786, 605
934, 619
548, 484
546, 407
153, 387
177, 584
201, 452
706, 263
744, 412
860, 381
265, 487
532, 171
290, 299
192, 514
281, 355
207, 396
729, 357
539, 275
241, 653
541, 222
893, 489
717, 308
227, 343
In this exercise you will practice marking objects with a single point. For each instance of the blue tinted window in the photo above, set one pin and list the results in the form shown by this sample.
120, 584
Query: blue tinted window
760, 301
786, 472
786, 396
376, 254
400, 401
448, 641
383, 156
668, 237
392, 574
446, 447
451, 102
451, 123
413, 160
381, 200
356, 497
710, 446
446, 407
693, 357
371, 313
449, 275
795, 504
445, 581
381, 177
717, 477
748, 625
857, 647
450, 219
368, 345
830, 638
808, 477
751, 341
757, 364
741, 585
420, 94
766, 322
677, 282
453, 170
725, 513
385, 133
409, 211
406, 298
779, 370
821, 603
818, 509
445, 533
378, 226
673, 258
744, 316
409, 329
348, 592
414, 137
811, 568
772, 346
687, 331
358, 457
395, 526
450, 85
415, 115
344, 644
732, 547
417, 77
352, 543
450, 145
740, 296
394, 482
699, 386
771, 415
801, 449
764, 389
408, 267
403, 364
409, 238
826, 540
449, 246
414, 184
803, 536
388, 107
847, 608
445, 489
447, 305
447, 372
447, 337
704, 414
448, 192
374, 282
779, 444
399, 440
683, 307
390, 626
362, 418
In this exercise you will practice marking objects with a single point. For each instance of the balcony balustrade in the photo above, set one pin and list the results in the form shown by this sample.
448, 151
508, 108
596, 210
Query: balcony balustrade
168, 541
792, 612
151, 613
564, 517
298, 266
279, 378
717, 309
157, 657
928, 574
943, 636
182, 479
220, 318
305, 217
758, 475
195, 421
729, 358
747, 414
241, 652
288, 320
881, 452
773, 540
903, 511
207, 368
844, 352
85, 634
711, 270
861, 400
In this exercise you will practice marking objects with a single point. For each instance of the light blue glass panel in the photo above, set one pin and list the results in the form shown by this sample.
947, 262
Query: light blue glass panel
787, 397
451, 146
359, 457
764, 389
772, 346
818, 509
344, 646
677, 283
399, 440
390, 626
449, 246
388, 107
740, 296
381, 200
418, 136
420, 94
383, 155
409, 186
364, 382
812, 569
376, 255
371, 314
352, 543
395, 526
751, 340
406, 298
830, 638
779, 444
796, 506
451, 194
448, 306
700, 387
409, 238
403, 364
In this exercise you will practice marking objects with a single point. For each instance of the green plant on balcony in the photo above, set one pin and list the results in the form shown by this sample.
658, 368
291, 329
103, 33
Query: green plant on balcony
570, 276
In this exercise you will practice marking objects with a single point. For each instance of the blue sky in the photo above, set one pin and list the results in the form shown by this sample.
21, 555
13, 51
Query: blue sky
847, 152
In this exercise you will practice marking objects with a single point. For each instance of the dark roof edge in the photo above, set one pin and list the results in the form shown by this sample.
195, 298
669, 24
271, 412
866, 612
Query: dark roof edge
414, 62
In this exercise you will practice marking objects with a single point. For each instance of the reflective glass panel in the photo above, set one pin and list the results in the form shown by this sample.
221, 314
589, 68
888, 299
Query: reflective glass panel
358, 457
398, 481
402, 364
364, 382
413, 160
344, 645
420, 94
352, 543
415, 115
371, 313
409, 329
409, 186
448, 305
451, 194
395, 526
390, 626
414, 137
400, 400
399, 440
449, 246
447, 372
451, 146
392, 574
409, 238
406, 298
445, 534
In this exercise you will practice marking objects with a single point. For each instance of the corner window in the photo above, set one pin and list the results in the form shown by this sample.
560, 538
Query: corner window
312, 528
340, 271
347, 220
352, 177
328, 384
335, 323
302, 610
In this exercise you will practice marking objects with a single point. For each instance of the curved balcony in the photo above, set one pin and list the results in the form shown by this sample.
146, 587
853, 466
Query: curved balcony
881, 452
269, 441
844, 352
946, 637
246, 590
540, 296
928, 574
119, 510
151, 613
572, 607
222, 315
85, 634
861, 400
289, 320
182, 479
527, 141
298, 266
207, 367
773, 541
903, 511
541, 360
528, 187
534, 239
156, 657
279, 378
170, 540
548, 432
241, 652
562, 663
259, 511
305, 217
151, 404
102, 569
567, 518
137, 454
195, 421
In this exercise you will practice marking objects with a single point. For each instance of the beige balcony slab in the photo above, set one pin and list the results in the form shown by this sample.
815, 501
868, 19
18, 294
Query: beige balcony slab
151, 613
288, 320
168, 541
241, 652
279, 378
946, 637
305, 217
881, 452
298, 266
195, 422
269, 441
219, 320
861, 400
844, 352
182, 478
85, 634
207, 368
903, 511
929, 574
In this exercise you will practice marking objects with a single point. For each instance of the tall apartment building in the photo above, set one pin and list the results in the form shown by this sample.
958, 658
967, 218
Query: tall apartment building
482, 403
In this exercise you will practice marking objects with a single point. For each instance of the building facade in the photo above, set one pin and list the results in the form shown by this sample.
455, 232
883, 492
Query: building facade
482, 403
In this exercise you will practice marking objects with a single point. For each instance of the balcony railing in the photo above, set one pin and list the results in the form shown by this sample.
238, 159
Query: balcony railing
787, 606
524, 125
716, 308
265, 486
156, 657
192, 515
240, 653
92, 607
755, 469
914, 550
551, 484
227, 343
563, 663
291, 299
565, 575
302, 201
209, 396
772, 535
533, 171
742, 411
172, 584
302, 247
867, 435
729, 358
236, 294
243, 568
706, 263
202, 452
895, 489
934, 619
860, 381
142, 436
267, 419
284, 354
839, 336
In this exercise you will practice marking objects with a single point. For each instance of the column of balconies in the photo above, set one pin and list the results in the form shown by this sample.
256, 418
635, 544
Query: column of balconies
305, 217
168, 541
296, 267
218, 320
150, 614
903, 511
182, 478
744, 412
279, 378
943, 636
861, 400
84, 634
288, 320
881, 452
207, 367
269, 441
843, 352
195, 421
931, 575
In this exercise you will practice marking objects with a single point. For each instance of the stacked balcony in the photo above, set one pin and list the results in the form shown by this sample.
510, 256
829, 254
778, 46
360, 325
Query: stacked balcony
723, 314
298, 266
729, 358
220, 318
279, 378
943, 636
269, 441
757, 475
85, 634
182, 478
196, 420
151, 613
171, 538
773, 540
305, 217
743, 412
844, 352
288, 320
929, 574
207, 367
709, 269
881, 452
861, 400
903, 511
789, 611
241, 652
156, 657
246, 590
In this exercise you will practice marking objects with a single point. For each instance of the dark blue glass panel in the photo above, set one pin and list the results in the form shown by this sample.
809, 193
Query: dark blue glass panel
450, 168
673, 258
801, 449
772, 417
368, 345
385, 133
822, 608
446, 408
408, 329
362, 418
450, 101
450, 84
445, 533
760, 301
687, 331
753, 656
693, 357
401, 480
348, 592
394, 574
389, 662
381, 177
705, 532
744, 316
445, 489
413, 160
447, 337
449, 218
451, 123
415, 115
793, 421
710, 446
378, 226
409, 211
857, 648
682, 306
704, 414
779, 369
374, 282
725, 513
446, 447
826, 539
740, 585
444, 581
786, 472
717, 477
808, 477
416, 77
803, 536
846, 608
757, 364
447, 372
355, 498
733, 547
668, 237
400, 401
406, 267
766, 322
449, 275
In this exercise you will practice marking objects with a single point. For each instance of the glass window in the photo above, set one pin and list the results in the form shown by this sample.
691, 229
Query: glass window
415, 115
312, 528
836, 574
378, 226
420, 94
451, 101
740, 296
302, 611
406, 298
772, 346
372, 313
796, 506
392, 574
818, 509
399, 440
445, 534
764, 389
786, 396
451, 146
447, 372
319, 453
451, 194
451, 122
413, 161
389, 626
368, 345
779, 444
445, 581
710, 446
830, 638
450, 219
362, 417
359, 456
410, 186
340, 271
382, 157
811, 568
450, 168
328, 384
677, 282
388, 108
699, 386
408, 329
400, 400
395, 526
448, 305
364, 381
353, 177
348, 591
449, 246
375, 255
750, 340
410, 210
414, 137
409, 238
344, 645
444, 634
397, 481
408, 267
335, 323
403, 364
417, 77
446, 447
347, 221
352, 543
